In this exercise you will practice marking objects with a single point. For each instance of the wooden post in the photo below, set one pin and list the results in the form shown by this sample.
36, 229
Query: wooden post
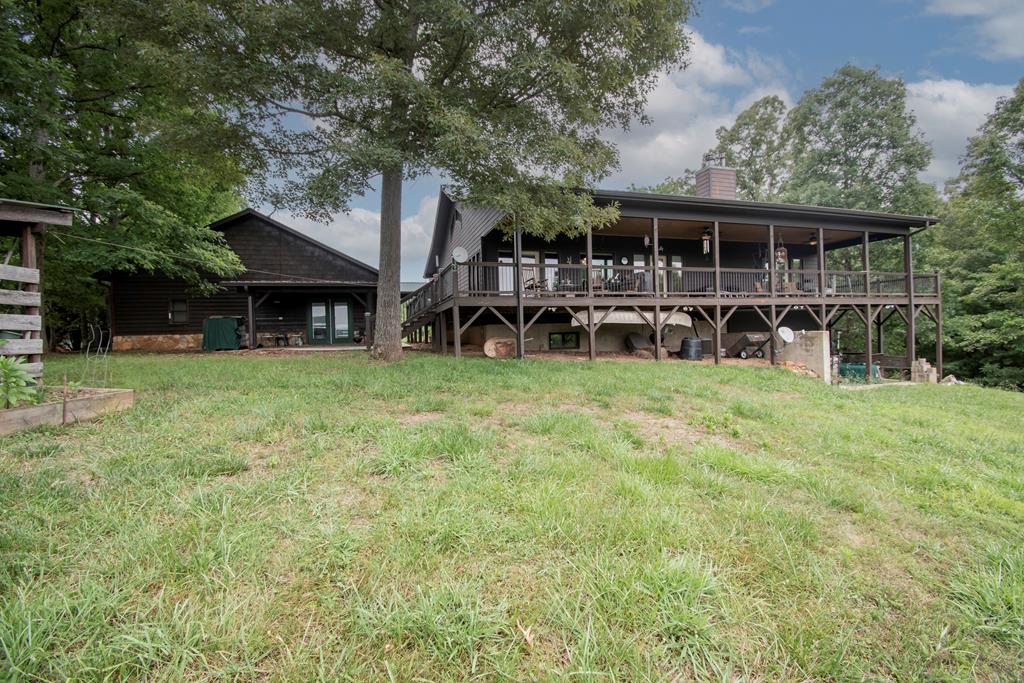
718, 332
866, 263
657, 291
252, 319
456, 329
880, 333
443, 329
938, 326
520, 333
589, 274
822, 276
718, 270
771, 261
771, 332
29, 259
908, 268
868, 356
591, 333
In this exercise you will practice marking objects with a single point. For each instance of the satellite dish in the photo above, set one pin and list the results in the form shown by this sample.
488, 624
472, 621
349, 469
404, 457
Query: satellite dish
786, 334
460, 255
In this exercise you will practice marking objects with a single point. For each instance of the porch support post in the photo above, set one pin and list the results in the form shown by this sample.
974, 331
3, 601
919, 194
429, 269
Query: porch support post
252, 319
821, 277
718, 320
444, 333
589, 274
518, 256
456, 328
938, 326
771, 332
866, 263
908, 268
869, 322
657, 292
718, 270
771, 261
881, 335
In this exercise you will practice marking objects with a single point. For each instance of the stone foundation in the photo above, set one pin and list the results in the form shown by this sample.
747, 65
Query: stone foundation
811, 349
159, 342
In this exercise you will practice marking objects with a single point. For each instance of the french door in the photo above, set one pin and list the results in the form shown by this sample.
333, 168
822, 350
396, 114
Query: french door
330, 321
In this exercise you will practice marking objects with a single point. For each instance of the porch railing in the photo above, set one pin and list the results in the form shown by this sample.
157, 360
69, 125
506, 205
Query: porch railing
555, 280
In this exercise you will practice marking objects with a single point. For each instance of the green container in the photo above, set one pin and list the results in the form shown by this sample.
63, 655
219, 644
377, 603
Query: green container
222, 334
856, 371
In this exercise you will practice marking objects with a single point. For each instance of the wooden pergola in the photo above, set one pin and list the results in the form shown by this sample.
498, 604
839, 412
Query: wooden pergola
21, 286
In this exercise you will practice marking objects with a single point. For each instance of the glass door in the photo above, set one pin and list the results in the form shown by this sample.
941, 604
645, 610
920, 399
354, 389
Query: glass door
342, 316
330, 322
318, 331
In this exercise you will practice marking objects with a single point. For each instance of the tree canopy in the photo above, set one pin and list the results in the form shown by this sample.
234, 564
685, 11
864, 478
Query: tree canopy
979, 248
99, 126
507, 99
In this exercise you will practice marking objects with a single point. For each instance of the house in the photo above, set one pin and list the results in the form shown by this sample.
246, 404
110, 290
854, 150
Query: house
708, 266
295, 290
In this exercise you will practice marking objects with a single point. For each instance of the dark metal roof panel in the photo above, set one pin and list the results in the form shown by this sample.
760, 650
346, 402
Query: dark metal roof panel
774, 208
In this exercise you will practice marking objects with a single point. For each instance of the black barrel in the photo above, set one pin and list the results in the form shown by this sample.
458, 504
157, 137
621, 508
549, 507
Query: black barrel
693, 348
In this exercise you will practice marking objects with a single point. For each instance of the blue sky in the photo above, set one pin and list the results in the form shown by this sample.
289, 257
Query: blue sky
956, 56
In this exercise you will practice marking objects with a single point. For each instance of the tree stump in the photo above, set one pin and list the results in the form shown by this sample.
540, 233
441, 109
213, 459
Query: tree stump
500, 347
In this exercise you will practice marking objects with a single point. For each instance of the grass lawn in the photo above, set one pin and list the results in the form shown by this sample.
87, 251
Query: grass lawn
321, 517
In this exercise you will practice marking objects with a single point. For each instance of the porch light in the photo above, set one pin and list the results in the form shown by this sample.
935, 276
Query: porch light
706, 241
814, 239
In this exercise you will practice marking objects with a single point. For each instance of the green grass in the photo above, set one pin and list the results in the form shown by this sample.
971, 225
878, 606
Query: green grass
321, 517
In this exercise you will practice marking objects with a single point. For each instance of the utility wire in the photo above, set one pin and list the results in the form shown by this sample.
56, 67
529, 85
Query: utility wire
174, 256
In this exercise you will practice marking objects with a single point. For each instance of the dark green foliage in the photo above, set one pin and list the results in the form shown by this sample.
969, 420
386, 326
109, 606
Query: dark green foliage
979, 247
98, 124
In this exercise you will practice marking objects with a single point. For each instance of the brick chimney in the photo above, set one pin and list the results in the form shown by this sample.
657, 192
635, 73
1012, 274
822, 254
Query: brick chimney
715, 180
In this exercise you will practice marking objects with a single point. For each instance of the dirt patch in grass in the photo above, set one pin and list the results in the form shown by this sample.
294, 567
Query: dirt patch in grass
675, 430
419, 418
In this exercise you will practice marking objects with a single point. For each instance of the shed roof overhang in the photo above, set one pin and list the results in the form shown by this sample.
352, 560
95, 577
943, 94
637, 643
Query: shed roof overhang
14, 215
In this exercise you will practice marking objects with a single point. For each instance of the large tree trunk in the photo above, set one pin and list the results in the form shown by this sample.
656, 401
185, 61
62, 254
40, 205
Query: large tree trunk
387, 335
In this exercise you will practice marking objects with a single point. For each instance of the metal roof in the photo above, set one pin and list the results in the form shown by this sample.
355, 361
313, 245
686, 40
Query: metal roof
804, 210
37, 205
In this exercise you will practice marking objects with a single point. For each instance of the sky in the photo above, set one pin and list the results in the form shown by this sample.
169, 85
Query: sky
957, 58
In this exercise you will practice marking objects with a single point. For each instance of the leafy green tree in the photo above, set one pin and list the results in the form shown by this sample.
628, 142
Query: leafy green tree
757, 146
682, 185
507, 99
979, 248
94, 123
854, 146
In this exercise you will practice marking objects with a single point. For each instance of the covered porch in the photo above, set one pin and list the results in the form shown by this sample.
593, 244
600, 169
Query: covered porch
307, 314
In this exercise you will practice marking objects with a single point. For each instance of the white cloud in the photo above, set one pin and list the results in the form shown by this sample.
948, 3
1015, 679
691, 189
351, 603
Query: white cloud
357, 234
687, 106
998, 25
949, 112
749, 6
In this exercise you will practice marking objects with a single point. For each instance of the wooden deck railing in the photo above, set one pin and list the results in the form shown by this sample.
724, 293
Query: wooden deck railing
571, 280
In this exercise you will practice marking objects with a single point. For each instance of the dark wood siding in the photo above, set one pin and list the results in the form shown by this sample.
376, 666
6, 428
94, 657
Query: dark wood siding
267, 250
140, 306
470, 225
139, 302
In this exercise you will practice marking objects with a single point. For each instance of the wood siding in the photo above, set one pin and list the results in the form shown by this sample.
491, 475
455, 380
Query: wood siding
271, 253
139, 303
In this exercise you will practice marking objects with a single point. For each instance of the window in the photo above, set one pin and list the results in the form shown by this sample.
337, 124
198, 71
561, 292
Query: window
177, 311
563, 340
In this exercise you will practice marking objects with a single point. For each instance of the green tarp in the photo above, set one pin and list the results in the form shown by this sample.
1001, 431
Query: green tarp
221, 334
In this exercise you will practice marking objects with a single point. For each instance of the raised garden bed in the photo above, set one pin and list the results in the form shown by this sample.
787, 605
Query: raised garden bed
82, 404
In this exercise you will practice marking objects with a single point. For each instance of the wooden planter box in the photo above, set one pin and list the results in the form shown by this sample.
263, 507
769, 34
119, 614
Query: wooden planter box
97, 402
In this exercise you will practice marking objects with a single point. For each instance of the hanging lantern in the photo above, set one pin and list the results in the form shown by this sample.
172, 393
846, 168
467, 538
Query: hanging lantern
814, 239
781, 258
706, 241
